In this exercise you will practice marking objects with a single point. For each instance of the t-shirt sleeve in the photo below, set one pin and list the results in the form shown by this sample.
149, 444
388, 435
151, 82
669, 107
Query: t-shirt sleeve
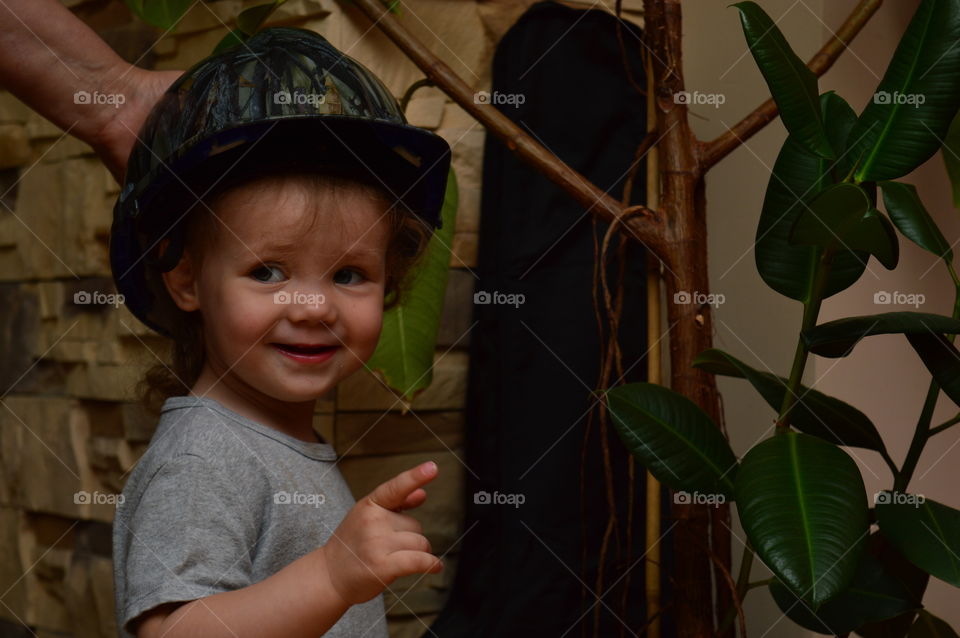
191, 536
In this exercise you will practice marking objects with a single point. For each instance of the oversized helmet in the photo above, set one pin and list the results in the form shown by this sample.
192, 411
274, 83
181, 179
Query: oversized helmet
284, 96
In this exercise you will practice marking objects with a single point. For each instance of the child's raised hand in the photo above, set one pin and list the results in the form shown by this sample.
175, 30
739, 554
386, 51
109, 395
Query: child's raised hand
375, 544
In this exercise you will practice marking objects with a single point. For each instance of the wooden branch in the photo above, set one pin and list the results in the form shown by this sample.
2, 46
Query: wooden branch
647, 229
714, 151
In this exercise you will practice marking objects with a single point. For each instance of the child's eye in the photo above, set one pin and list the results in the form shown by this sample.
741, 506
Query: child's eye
343, 276
267, 274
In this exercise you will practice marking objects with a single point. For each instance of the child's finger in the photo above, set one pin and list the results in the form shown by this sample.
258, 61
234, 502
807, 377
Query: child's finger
393, 494
415, 499
408, 561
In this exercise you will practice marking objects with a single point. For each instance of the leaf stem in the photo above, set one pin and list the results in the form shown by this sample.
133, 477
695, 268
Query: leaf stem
922, 433
943, 426
743, 586
811, 310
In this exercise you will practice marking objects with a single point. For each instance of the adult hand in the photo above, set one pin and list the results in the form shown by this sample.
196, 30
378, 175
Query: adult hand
48, 56
115, 139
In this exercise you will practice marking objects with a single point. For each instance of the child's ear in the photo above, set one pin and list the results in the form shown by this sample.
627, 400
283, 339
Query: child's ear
181, 283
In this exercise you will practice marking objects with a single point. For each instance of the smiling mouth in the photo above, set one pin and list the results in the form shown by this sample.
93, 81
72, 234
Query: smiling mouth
303, 349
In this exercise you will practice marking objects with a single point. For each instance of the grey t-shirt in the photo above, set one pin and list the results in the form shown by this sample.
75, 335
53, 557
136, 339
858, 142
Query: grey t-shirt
219, 502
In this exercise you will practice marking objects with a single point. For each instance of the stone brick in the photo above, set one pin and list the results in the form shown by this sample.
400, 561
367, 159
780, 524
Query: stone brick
464, 250
365, 433
297, 10
467, 146
110, 459
323, 423
19, 333
204, 16
61, 235
90, 597
11, 566
14, 146
106, 383
12, 109
61, 149
138, 423
421, 594
46, 546
451, 30
40, 127
364, 392
193, 47
442, 513
49, 462
457, 319
425, 108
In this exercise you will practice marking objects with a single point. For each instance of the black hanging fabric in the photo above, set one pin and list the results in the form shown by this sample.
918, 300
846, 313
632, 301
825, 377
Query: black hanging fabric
531, 568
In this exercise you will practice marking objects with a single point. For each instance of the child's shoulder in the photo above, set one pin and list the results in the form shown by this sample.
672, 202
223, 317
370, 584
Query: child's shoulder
198, 429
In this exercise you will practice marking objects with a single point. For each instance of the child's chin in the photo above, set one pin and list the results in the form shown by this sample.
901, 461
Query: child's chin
300, 394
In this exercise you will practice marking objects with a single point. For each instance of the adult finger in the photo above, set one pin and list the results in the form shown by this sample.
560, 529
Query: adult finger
393, 494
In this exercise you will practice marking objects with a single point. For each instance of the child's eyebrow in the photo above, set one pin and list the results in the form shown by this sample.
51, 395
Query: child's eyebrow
286, 249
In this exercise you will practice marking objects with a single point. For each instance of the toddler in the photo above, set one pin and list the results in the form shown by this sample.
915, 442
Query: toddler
271, 211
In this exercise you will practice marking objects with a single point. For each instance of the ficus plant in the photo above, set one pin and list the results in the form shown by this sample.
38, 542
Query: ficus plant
799, 495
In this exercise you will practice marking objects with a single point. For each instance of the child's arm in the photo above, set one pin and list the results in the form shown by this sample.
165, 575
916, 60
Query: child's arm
373, 546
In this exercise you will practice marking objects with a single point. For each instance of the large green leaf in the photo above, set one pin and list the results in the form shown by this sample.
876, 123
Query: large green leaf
673, 438
911, 110
798, 175
408, 339
929, 626
942, 360
837, 338
841, 217
792, 85
911, 217
951, 157
873, 595
814, 413
803, 506
160, 13
925, 531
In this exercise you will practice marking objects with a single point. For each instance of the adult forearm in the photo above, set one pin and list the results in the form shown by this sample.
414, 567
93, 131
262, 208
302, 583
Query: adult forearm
296, 602
48, 55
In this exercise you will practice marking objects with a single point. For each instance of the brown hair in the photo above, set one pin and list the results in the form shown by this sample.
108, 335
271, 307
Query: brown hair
408, 239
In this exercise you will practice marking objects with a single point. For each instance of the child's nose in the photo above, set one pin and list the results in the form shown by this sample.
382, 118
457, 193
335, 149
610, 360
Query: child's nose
310, 306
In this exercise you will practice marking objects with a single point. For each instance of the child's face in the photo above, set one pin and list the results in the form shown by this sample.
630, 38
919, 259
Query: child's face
272, 289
